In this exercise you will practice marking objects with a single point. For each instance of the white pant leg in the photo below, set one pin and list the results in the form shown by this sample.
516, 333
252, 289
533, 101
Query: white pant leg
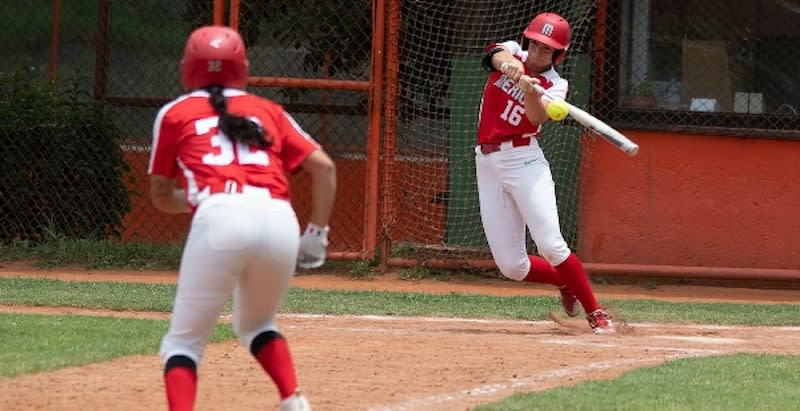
503, 224
210, 264
265, 281
527, 176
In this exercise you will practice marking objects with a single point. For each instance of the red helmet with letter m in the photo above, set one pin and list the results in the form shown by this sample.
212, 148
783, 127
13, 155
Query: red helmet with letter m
214, 56
551, 30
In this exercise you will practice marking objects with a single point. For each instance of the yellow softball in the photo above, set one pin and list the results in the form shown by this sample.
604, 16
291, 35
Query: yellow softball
557, 110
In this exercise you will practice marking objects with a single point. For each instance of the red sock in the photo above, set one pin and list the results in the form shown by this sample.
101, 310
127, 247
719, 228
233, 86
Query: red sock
575, 278
276, 360
181, 386
542, 272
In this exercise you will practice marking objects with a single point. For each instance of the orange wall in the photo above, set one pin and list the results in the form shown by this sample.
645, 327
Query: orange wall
684, 200
146, 223
693, 200
347, 222
415, 217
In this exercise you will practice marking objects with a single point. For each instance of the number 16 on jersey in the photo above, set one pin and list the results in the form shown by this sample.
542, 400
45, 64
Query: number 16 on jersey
513, 113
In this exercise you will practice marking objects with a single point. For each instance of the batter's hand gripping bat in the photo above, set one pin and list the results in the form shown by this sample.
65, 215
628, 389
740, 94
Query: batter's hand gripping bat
596, 125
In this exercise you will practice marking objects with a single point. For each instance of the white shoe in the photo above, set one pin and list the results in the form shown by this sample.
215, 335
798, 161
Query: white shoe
297, 402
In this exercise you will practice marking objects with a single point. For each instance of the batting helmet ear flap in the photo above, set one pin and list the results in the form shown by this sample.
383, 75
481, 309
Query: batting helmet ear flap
559, 55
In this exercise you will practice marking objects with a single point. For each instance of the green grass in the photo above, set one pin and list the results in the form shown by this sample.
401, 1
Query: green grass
158, 297
95, 295
33, 343
733, 382
93, 254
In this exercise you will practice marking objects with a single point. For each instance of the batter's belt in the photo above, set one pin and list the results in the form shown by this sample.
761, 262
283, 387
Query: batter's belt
489, 148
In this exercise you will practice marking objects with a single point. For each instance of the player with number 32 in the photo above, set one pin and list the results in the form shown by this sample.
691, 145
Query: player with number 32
515, 184
222, 154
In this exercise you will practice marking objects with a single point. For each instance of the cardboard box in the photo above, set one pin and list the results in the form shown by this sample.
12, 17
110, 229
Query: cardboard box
756, 105
705, 74
744, 102
741, 102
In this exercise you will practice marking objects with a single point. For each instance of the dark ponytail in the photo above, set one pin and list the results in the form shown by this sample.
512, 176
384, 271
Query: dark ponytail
237, 128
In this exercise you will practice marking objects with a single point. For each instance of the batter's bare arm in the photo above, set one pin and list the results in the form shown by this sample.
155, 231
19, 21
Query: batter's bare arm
323, 186
165, 195
535, 107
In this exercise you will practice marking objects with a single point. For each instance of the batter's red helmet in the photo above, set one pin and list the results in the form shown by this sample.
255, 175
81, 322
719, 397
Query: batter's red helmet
551, 30
214, 56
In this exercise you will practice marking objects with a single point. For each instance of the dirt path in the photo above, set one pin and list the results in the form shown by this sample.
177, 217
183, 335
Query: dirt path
398, 363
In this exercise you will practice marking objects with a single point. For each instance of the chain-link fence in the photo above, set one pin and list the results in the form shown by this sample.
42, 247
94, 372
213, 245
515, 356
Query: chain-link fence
122, 57
82, 81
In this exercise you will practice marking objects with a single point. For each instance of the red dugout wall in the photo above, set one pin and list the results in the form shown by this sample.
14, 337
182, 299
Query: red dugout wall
705, 203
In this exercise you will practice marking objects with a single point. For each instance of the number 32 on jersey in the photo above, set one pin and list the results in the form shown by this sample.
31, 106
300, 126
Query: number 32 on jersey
242, 153
513, 113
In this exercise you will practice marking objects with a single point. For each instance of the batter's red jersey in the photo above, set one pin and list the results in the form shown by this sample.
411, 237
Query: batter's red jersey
502, 112
188, 144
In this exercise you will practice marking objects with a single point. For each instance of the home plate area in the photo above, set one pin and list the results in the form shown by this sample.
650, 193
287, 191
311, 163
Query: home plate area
397, 363
406, 363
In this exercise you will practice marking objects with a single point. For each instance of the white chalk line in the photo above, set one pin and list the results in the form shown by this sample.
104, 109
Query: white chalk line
574, 342
717, 327
392, 318
701, 340
510, 387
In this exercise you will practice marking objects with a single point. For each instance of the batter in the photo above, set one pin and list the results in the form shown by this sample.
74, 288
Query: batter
515, 185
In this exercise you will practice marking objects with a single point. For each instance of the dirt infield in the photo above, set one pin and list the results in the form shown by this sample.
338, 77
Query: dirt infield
399, 363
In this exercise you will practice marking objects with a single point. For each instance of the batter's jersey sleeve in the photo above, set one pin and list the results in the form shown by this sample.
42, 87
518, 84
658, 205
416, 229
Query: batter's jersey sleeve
511, 46
515, 49
555, 84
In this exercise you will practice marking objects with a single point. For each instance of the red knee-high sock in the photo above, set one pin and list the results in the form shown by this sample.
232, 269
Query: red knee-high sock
180, 382
272, 352
542, 272
574, 276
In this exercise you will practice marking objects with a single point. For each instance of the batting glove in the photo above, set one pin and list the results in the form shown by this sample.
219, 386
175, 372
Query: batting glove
313, 247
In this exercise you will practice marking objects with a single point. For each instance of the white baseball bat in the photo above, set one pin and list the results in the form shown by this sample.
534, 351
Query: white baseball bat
596, 125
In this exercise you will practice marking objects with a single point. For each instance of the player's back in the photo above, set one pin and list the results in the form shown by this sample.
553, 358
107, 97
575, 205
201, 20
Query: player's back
188, 129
